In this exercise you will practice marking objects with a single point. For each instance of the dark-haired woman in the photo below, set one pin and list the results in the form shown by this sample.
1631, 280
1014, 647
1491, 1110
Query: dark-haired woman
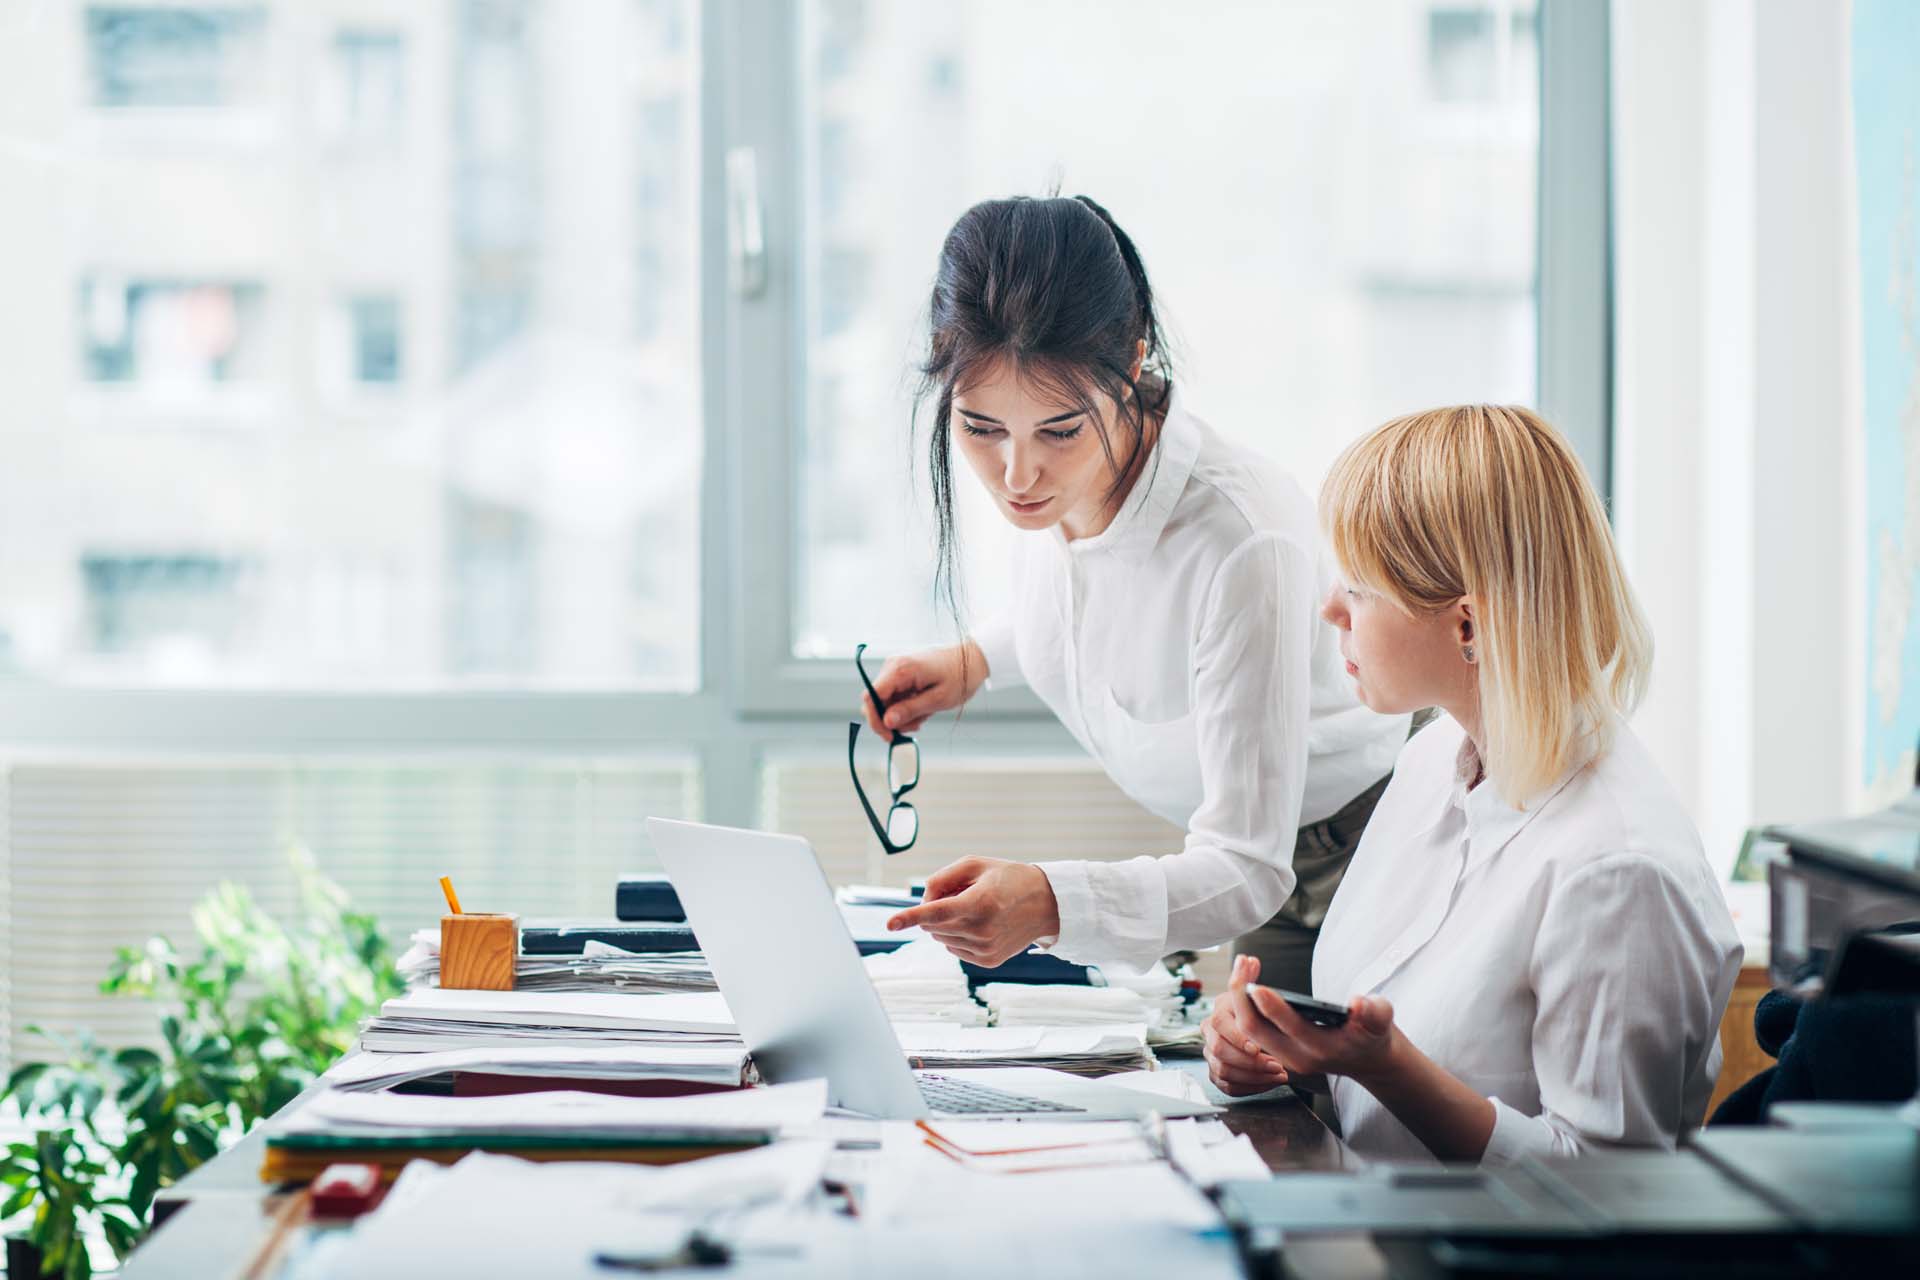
1165, 606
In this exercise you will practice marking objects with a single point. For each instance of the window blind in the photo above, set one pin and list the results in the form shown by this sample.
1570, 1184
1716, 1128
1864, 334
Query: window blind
1028, 810
94, 856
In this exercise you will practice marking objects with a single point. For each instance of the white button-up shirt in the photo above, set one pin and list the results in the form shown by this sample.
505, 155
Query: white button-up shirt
1570, 961
1183, 647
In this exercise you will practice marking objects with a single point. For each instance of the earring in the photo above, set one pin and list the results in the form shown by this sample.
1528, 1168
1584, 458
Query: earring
1467, 653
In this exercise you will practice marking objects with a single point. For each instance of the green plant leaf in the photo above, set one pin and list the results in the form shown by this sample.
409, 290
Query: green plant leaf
23, 1078
122, 1233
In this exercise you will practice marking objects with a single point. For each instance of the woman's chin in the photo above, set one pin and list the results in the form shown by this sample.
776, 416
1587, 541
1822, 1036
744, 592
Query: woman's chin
1367, 697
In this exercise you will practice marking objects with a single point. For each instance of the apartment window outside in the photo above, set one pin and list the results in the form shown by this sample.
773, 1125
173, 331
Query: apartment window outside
171, 333
376, 339
386, 388
1325, 258
369, 93
175, 57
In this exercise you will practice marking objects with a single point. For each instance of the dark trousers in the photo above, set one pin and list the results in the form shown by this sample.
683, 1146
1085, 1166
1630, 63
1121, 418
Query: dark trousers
1284, 944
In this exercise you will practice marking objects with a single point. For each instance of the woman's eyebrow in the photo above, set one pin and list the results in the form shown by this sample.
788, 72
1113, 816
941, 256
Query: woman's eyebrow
1058, 417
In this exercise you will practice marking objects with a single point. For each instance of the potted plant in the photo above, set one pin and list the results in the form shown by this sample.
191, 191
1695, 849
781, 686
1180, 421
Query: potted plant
245, 1026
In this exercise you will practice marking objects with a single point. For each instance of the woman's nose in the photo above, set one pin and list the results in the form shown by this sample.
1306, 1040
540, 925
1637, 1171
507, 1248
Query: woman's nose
1334, 609
1022, 471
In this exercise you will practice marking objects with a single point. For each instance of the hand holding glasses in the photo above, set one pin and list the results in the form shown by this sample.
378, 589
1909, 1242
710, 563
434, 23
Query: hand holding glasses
902, 826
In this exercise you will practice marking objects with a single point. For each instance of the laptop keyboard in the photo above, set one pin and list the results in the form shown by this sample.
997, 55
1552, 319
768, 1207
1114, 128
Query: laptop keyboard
963, 1097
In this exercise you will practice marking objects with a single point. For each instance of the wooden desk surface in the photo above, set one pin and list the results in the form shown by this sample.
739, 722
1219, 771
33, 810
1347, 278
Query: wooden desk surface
220, 1216
1741, 1057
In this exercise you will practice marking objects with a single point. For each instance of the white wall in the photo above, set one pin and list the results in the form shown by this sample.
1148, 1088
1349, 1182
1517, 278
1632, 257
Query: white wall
1737, 417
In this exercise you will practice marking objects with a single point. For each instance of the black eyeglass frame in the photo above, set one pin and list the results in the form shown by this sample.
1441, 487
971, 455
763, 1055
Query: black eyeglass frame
894, 793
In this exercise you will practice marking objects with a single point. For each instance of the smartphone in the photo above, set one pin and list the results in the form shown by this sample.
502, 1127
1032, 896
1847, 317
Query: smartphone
1319, 1012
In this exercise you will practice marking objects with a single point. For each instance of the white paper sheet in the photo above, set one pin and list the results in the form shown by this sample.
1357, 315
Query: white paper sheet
917, 1186
1165, 1083
1208, 1153
988, 1146
711, 1064
769, 1109
703, 1011
942, 1037
496, 1216
868, 923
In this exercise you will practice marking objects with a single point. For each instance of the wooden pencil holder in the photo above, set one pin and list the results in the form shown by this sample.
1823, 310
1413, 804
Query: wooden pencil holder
477, 951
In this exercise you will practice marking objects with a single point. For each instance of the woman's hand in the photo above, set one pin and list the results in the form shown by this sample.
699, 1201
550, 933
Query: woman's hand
1236, 1062
916, 685
985, 910
1254, 1039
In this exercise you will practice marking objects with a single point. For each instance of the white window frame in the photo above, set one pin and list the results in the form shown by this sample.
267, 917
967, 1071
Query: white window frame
755, 696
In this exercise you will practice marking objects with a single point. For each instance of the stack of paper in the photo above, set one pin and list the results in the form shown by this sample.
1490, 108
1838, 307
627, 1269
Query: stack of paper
1015, 1004
716, 1065
599, 967
1150, 995
922, 982
435, 1018
751, 1111
1088, 1050
389, 1129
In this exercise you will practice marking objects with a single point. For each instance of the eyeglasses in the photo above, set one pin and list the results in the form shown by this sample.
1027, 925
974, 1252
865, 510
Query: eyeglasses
902, 826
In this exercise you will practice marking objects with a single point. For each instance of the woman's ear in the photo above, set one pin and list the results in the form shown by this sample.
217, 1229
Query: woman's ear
1464, 612
1139, 361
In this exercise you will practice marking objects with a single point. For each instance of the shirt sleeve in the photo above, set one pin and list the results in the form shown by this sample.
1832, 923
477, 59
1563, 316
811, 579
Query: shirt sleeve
1003, 656
1251, 702
1630, 977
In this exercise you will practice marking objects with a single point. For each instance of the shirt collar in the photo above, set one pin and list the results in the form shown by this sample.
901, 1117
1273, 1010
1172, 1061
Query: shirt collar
1491, 822
1136, 530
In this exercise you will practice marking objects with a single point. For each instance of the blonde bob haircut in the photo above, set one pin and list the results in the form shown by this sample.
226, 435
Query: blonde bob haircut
1491, 502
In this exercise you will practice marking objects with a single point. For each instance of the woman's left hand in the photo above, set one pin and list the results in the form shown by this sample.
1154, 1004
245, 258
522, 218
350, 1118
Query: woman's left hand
985, 910
1360, 1049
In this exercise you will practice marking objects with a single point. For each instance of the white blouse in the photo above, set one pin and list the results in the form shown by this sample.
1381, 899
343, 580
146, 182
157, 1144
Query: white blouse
1183, 647
1570, 961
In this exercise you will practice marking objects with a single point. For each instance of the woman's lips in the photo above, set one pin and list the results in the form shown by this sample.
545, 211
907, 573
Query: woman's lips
1352, 670
1028, 508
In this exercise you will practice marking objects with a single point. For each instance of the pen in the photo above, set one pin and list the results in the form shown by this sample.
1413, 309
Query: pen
453, 899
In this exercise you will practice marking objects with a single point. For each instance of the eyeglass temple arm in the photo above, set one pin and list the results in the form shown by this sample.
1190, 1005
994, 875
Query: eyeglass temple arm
886, 842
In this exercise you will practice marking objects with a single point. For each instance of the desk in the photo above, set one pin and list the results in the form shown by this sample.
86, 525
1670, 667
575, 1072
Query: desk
218, 1217
1741, 1057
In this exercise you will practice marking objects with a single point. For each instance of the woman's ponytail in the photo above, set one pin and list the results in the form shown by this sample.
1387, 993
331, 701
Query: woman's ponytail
1137, 272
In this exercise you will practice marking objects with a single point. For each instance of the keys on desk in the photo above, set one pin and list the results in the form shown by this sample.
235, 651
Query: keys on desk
961, 1097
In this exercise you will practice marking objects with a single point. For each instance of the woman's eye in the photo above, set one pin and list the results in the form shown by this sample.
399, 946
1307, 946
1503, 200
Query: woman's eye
974, 429
1064, 436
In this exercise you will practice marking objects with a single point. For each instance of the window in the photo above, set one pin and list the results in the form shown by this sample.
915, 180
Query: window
376, 338
171, 333
179, 612
333, 417
1325, 260
415, 416
169, 57
367, 96
1485, 55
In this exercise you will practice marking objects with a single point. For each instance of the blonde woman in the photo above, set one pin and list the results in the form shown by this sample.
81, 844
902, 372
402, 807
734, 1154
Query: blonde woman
1531, 948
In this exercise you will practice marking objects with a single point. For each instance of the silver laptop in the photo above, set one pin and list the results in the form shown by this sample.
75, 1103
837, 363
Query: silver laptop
766, 919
